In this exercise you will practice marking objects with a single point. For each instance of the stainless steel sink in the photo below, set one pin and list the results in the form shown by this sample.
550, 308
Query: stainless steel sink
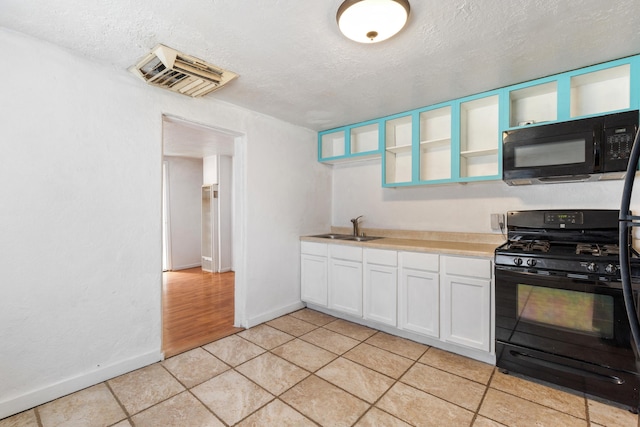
362, 238
336, 236
333, 236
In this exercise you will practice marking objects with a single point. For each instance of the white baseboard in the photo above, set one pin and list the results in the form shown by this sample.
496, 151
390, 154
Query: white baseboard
45, 394
184, 267
480, 355
265, 317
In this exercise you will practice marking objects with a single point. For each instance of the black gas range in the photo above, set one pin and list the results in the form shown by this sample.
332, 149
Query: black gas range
583, 243
560, 311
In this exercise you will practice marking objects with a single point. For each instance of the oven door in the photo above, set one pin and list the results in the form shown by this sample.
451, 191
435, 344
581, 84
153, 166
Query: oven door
566, 330
571, 317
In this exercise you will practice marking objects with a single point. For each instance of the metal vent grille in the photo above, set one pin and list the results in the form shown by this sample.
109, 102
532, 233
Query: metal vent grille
167, 68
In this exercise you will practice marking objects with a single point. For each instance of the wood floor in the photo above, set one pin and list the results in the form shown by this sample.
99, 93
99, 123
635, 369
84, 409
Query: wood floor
197, 308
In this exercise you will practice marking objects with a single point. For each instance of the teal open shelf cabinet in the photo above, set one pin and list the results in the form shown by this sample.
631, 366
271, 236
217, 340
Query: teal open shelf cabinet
461, 140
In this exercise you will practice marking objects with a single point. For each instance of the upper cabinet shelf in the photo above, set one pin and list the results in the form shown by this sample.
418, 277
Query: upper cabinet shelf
535, 103
435, 144
601, 91
591, 91
461, 140
480, 138
398, 150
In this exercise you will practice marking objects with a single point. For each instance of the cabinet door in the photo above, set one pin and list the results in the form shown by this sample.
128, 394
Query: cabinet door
313, 275
419, 302
345, 286
380, 293
466, 311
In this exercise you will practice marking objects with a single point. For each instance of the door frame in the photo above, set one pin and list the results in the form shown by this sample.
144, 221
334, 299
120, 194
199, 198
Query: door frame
238, 209
167, 261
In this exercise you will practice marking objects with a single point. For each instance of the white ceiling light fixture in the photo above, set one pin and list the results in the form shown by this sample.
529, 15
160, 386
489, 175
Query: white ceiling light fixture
372, 21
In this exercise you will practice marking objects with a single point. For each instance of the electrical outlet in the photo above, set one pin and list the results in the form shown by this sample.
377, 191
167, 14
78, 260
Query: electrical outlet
497, 221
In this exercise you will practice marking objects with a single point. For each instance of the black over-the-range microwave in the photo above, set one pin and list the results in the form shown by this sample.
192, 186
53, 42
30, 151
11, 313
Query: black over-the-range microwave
588, 149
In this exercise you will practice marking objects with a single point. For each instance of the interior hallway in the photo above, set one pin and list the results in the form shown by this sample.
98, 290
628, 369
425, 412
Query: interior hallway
311, 369
197, 308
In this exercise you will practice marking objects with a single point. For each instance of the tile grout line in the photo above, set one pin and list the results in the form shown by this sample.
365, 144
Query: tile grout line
581, 395
277, 397
487, 385
476, 414
484, 395
188, 389
586, 411
342, 355
36, 412
266, 350
396, 381
338, 356
217, 417
414, 362
126, 413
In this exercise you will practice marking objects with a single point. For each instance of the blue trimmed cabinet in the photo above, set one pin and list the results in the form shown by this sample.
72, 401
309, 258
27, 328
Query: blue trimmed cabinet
461, 140
359, 141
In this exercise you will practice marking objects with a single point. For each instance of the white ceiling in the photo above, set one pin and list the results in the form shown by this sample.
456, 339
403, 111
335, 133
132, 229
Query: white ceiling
295, 65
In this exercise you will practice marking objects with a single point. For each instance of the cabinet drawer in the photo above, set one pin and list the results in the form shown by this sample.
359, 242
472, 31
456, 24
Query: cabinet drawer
311, 248
351, 253
469, 267
419, 261
381, 257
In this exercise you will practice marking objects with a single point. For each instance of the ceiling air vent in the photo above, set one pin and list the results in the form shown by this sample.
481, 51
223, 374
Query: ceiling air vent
167, 68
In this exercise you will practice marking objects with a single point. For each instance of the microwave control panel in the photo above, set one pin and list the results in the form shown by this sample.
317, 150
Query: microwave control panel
617, 147
619, 142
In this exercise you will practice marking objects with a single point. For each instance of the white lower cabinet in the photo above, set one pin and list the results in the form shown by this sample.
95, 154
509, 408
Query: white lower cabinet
314, 273
419, 293
466, 301
345, 279
444, 298
381, 286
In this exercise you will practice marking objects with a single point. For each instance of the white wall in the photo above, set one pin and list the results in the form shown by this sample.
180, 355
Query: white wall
80, 166
289, 195
357, 190
185, 209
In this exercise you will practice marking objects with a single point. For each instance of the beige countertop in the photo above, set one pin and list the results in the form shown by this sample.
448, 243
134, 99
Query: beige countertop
469, 244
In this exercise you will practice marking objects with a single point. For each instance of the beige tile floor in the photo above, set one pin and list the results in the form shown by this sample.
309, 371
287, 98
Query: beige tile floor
310, 369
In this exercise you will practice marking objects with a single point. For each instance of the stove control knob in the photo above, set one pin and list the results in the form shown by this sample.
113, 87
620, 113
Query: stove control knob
592, 267
611, 269
531, 262
517, 261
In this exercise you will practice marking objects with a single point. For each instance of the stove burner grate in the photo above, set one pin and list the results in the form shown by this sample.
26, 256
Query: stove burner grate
597, 250
530, 245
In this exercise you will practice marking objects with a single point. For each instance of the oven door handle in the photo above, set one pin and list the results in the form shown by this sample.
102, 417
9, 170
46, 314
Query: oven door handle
535, 272
579, 278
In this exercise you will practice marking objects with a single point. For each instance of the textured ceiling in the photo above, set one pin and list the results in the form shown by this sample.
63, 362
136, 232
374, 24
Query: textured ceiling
295, 65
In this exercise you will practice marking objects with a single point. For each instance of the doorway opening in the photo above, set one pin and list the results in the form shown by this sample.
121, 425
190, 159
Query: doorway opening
198, 286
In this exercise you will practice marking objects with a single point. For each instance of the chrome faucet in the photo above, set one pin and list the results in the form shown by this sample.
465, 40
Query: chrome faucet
356, 226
